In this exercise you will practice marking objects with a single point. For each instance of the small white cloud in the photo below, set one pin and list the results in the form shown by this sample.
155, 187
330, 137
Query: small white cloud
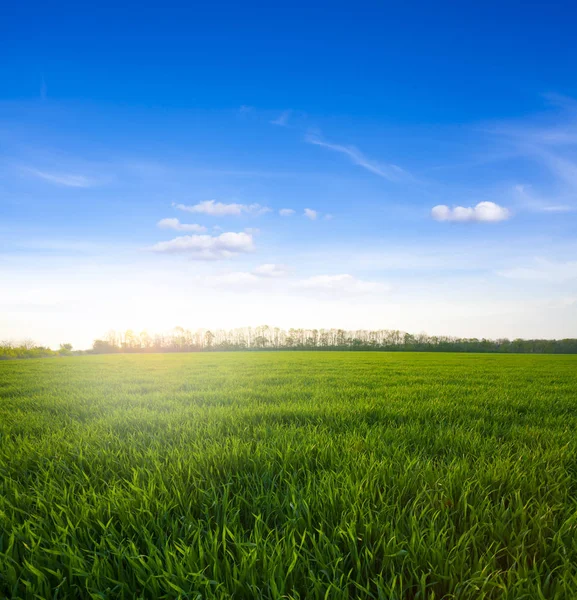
206, 247
286, 212
65, 179
178, 226
341, 284
270, 270
329, 217
282, 119
311, 214
485, 212
219, 209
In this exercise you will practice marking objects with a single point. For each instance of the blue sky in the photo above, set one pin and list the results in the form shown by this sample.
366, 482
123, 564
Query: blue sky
429, 153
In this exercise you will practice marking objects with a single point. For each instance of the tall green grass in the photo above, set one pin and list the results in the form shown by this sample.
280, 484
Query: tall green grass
297, 475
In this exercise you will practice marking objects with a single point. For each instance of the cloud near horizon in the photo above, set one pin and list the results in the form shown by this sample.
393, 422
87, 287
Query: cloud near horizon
207, 247
483, 212
220, 209
270, 270
342, 284
543, 270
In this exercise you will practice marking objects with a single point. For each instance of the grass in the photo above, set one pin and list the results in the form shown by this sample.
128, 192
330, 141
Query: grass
293, 475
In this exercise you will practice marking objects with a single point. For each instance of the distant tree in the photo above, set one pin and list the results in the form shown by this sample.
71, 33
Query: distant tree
103, 347
65, 349
208, 339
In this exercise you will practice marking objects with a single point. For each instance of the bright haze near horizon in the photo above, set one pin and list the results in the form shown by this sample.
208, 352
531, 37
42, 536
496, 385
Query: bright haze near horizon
407, 166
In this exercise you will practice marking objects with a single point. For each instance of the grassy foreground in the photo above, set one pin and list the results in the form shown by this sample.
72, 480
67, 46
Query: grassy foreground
297, 475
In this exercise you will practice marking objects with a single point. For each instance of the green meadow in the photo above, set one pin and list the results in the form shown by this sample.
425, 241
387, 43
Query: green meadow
289, 475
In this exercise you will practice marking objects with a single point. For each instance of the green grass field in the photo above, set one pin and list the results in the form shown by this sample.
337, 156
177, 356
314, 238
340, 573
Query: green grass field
289, 475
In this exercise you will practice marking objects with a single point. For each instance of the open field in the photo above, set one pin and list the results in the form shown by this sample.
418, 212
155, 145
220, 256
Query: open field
296, 475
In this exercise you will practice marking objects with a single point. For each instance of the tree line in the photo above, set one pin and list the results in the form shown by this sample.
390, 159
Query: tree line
275, 338
264, 338
28, 349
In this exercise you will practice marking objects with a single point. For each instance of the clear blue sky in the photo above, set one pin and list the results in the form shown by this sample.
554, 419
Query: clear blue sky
146, 151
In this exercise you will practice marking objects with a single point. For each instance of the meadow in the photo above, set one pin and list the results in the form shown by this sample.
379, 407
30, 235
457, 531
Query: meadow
289, 475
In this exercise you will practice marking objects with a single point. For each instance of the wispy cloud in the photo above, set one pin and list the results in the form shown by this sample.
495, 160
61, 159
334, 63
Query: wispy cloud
286, 212
550, 141
311, 214
555, 204
178, 226
341, 284
64, 179
283, 119
207, 247
220, 209
484, 212
543, 270
389, 171
260, 278
270, 270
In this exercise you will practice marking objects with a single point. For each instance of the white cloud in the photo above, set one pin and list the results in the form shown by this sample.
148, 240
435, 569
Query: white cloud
487, 212
178, 226
286, 212
65, 179
219, 209
311, 214
391, 172
543, 270
282, 119
206, 247
270, 270
340, 284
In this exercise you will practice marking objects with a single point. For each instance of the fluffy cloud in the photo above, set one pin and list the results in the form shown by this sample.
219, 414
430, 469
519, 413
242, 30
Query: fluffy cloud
270, 270
219, 209
340, 284
286, 212
207, 247
311, 214
178, 226
485, 212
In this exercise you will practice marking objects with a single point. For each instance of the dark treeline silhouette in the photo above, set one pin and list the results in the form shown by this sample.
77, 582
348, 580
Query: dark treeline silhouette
274, 338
